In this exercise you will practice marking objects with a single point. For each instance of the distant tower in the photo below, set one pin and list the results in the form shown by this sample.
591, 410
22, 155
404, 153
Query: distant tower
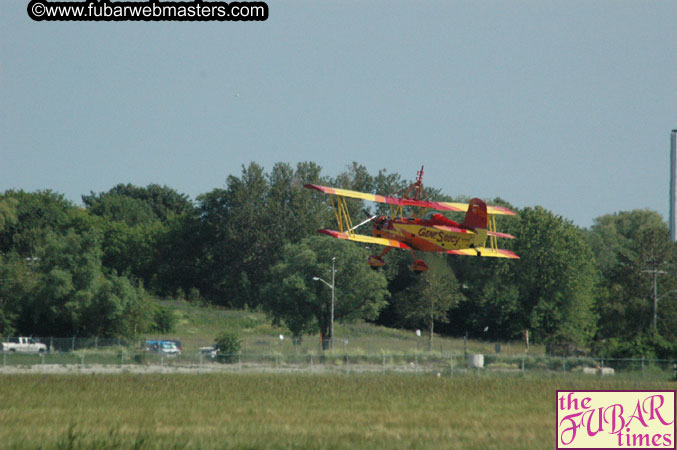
673, 184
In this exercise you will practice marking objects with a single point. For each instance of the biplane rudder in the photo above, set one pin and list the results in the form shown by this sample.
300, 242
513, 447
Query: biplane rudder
476, 216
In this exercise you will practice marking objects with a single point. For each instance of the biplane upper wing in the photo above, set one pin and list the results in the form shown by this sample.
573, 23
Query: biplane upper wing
441, 206
488, 252
364, 238
498, 210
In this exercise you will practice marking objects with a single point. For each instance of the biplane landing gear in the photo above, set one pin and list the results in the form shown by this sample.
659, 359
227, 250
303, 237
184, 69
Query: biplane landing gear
418, 266
377, 261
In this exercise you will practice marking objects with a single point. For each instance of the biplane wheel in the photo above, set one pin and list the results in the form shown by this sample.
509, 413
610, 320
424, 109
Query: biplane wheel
375, 262
419, 266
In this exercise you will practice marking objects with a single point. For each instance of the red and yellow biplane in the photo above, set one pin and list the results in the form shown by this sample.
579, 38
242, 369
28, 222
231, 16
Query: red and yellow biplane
430, 233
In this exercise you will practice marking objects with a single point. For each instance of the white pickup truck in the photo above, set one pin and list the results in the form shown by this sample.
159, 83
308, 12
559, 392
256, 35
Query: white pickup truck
23, 345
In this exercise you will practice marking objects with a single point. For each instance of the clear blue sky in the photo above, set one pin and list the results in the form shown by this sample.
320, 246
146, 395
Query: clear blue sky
565, 104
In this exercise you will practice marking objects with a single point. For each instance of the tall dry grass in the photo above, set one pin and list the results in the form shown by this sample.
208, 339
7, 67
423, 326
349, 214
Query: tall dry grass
273, 411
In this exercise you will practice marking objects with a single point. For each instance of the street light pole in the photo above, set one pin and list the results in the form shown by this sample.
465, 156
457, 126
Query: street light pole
331, 330
331, 286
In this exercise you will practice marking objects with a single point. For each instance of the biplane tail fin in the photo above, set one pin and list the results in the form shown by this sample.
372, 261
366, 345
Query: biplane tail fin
476, 216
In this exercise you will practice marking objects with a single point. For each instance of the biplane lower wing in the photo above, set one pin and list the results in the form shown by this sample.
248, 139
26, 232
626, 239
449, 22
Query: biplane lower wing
364, 238
485, 252
501, 235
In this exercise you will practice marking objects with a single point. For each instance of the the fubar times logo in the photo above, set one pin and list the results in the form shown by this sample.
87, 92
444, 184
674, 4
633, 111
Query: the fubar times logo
615, 419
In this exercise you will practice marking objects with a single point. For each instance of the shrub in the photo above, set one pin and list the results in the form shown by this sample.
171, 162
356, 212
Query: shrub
228, 345
643, 345
164, 319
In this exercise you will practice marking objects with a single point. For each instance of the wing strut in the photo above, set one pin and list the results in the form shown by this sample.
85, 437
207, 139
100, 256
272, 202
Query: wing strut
341, 212
493, 241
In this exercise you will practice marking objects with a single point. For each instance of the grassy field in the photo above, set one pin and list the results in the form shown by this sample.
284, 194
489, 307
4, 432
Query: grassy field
274, 411
198, 326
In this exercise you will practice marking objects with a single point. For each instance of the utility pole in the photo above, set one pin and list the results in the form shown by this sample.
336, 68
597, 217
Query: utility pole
655, 273
673, 186
655, 301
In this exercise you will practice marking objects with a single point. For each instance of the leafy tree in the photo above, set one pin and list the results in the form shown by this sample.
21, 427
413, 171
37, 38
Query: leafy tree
134, 205
244, 226
178, 250
430, 297
550, 290
17, 282
119, 208
8, 212
303, 305
633, 247
30, 216
613, 235
117, 308
72, 296
555, 278
134, 250
238, 234
149, 234
296, 212
52, 280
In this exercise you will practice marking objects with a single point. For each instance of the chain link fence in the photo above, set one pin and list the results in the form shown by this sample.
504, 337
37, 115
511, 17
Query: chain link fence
305, 355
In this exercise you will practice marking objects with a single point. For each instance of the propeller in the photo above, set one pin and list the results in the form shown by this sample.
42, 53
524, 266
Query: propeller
364, 221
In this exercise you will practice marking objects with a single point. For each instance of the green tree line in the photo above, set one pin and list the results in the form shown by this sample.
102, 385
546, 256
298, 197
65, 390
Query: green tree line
93, 270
